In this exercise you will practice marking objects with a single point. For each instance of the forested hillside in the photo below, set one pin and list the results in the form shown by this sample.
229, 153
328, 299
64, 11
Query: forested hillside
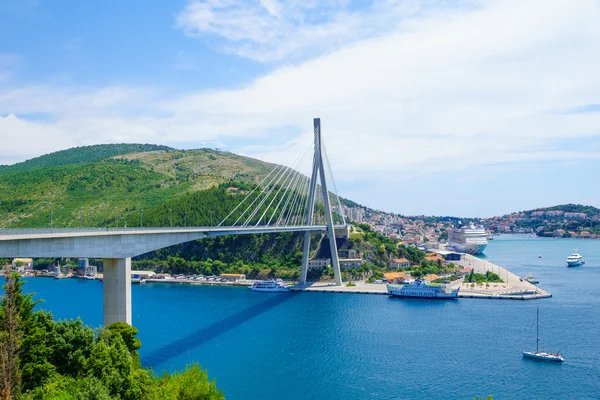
79, 155
96, 194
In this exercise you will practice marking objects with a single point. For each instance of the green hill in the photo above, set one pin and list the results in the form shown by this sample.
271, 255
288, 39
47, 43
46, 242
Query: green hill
80, 155
590, 211
93, 193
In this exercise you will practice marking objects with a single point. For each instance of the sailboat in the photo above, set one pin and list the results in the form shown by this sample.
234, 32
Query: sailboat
538, 355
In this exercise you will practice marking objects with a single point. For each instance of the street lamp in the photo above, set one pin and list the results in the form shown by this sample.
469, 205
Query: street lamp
141, 211
117, 210
185, 219
51, 222
211, 221
81, 218
171, 217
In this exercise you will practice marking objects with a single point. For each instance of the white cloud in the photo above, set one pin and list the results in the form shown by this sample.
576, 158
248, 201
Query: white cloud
272, 30
22, 138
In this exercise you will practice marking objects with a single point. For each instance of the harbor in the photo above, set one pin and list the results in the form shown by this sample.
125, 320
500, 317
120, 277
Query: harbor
239, 334
513, 287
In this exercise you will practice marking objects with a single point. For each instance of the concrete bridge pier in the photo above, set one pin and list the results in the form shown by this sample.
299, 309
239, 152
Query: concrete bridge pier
117, 290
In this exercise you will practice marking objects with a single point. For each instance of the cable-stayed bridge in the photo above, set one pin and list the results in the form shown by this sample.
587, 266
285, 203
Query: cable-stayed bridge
296, 196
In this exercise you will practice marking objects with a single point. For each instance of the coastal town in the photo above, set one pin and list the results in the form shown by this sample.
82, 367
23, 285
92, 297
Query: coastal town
551, 222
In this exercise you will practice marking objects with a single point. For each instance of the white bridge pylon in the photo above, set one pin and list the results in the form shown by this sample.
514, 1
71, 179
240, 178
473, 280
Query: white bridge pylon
319, 170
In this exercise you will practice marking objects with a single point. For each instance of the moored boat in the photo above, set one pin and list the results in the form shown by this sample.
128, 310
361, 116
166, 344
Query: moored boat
269, 286
531, 279
421, 289
541, 355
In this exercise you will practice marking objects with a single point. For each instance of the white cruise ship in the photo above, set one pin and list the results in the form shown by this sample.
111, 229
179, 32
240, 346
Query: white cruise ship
471, 239
269, 286
421, 289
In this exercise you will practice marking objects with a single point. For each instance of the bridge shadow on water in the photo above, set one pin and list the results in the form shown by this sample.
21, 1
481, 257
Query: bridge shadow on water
201, 336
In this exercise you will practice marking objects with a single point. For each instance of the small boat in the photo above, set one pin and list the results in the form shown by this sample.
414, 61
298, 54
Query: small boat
575, 260
540, 256
531, 279
541, 355
269, 286
136, 280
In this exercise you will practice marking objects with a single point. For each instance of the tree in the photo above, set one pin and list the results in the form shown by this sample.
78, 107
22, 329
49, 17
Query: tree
10, 338
127, 333
191, 383
73, 343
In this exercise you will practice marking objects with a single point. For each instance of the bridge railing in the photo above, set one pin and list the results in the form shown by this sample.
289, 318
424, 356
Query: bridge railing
41, 231
50, 231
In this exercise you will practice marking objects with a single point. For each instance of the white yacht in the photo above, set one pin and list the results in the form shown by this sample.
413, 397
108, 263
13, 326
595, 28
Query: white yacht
471, 239
541, 355
269, 286
421, 289
575, 260
531, 279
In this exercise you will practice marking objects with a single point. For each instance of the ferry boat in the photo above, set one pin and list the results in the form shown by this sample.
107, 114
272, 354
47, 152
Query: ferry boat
575, 260
541, 355
471, 239
421, 289
269, 286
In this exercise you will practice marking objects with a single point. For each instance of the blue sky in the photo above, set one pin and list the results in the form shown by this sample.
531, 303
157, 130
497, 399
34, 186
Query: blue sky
466, 107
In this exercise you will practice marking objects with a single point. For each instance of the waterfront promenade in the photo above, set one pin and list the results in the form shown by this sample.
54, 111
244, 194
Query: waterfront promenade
513, 286
359, 288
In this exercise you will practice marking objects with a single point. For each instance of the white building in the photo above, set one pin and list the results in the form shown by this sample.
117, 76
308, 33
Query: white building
22, 264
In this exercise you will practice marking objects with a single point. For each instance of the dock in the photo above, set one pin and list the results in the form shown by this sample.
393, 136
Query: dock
513, 287
360, 288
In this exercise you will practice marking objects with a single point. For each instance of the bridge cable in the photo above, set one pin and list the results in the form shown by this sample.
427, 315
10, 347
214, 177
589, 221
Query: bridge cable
291, 171
282, 198
285, 186
268, 187
293, 192
335, 190
277, 177
247, 196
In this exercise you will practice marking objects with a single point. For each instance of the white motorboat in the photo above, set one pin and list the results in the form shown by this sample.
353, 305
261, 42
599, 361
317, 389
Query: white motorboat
531, 279
269, 286
575, 260
541, 355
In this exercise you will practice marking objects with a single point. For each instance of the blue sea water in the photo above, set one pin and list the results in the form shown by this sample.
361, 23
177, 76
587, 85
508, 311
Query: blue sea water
340, 346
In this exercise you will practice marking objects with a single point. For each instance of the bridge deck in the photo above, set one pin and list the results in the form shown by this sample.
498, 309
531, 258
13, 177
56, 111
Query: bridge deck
43, 233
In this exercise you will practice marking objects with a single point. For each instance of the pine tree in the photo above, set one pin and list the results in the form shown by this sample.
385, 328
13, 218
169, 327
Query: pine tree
10, 338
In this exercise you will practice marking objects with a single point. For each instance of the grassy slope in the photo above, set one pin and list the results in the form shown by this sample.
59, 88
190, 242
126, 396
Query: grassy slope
148, 180
79, 155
